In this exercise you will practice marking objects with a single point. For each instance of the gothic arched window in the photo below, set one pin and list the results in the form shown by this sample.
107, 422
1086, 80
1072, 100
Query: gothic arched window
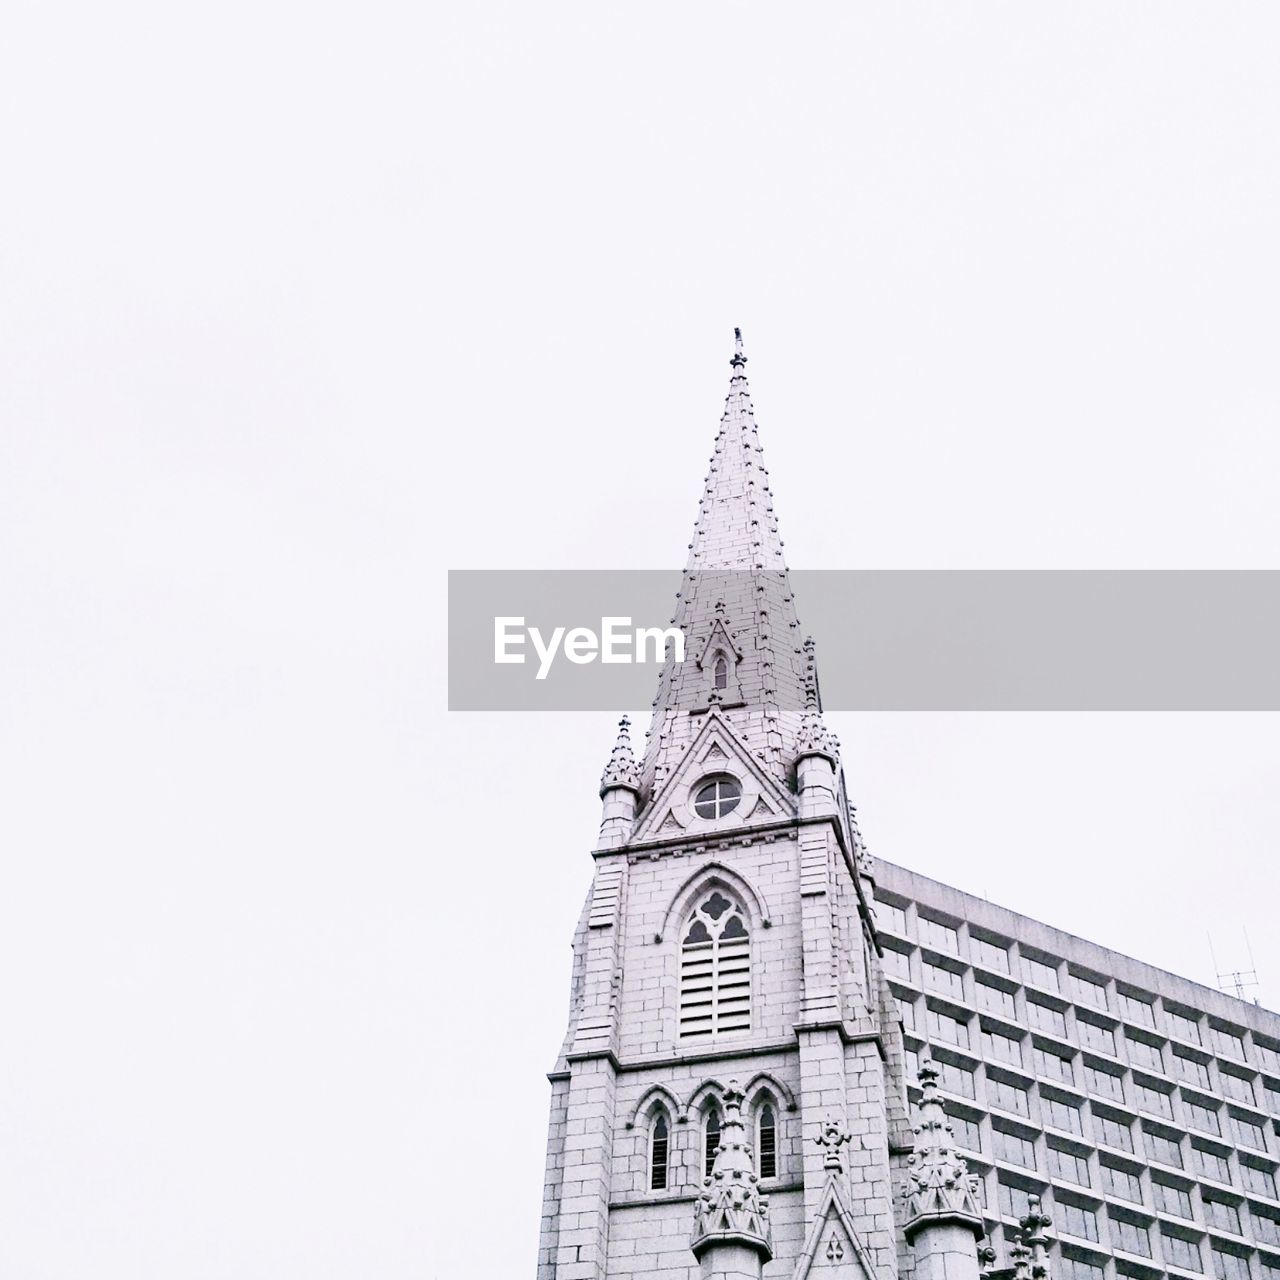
710, 1139
767, 1141
715, 970
659, 1148
720, 677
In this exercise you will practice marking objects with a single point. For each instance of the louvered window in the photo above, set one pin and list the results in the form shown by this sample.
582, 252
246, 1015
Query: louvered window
659, 1139
715, 970
767, 1142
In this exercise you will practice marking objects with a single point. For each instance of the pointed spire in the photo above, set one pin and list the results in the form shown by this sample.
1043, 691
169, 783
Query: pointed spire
939, 1186
735, 558
731, 1209
622, 770
1034, 1240
815, 739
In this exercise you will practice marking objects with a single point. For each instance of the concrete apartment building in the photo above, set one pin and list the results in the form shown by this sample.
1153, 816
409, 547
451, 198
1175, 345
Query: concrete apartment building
784, 1058
1141, 1107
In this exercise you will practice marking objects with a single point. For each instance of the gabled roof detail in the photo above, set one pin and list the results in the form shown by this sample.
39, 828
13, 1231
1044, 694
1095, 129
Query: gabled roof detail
831, 1245
717, 748
718, 638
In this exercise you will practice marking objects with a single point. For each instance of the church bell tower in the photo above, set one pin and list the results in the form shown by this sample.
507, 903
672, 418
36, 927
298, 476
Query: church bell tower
730, 1097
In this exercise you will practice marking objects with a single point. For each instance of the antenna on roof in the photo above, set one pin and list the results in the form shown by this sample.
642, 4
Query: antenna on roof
1237, 982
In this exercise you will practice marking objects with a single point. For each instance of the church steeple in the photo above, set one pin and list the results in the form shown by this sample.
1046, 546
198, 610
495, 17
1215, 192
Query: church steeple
735, 605
728, 929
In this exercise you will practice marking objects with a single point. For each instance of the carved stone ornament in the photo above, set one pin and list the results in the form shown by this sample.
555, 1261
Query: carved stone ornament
815, 739
1033, 1238
622, 769
831, 1139
730, 1208
939, 1187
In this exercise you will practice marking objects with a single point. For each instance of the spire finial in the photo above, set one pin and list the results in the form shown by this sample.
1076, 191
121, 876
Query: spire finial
739, 361
731, 1210
939, 1186
831, 1139
622, 770
1033, 1238
1020, 1255
814, 739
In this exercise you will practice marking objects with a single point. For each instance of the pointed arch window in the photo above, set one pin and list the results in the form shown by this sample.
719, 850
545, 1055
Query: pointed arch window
710, 1139
767, 1141
659, 1151
715, 970
720, 672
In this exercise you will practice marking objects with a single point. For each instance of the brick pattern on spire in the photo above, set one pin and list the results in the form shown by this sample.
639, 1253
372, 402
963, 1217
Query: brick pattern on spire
736, 560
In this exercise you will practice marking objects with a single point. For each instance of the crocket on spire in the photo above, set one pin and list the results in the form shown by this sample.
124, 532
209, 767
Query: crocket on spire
735, 559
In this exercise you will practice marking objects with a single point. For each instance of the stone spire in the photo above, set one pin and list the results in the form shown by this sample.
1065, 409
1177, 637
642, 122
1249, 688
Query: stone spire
815, 739
622, 770
735, 559
619, 791
940, 1189
1033, 1238
731, 1235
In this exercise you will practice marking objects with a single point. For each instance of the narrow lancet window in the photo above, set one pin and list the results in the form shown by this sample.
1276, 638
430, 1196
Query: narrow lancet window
721, 669
711, 1140
659, 1139
767, 1142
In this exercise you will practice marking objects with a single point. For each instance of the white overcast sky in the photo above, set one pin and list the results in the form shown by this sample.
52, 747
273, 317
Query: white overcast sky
304, 305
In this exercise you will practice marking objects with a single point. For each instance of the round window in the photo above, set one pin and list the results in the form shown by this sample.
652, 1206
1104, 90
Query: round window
717, 796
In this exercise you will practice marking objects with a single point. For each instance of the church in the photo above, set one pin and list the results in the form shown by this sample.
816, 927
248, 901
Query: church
785, 1058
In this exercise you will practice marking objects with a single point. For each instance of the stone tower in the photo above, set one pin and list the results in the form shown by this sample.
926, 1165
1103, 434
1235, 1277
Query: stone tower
730, 1098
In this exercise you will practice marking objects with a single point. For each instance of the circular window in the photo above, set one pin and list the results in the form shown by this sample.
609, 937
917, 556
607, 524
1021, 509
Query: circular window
717, 796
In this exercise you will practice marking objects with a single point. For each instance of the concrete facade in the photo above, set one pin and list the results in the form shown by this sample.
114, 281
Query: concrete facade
1140, 1106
